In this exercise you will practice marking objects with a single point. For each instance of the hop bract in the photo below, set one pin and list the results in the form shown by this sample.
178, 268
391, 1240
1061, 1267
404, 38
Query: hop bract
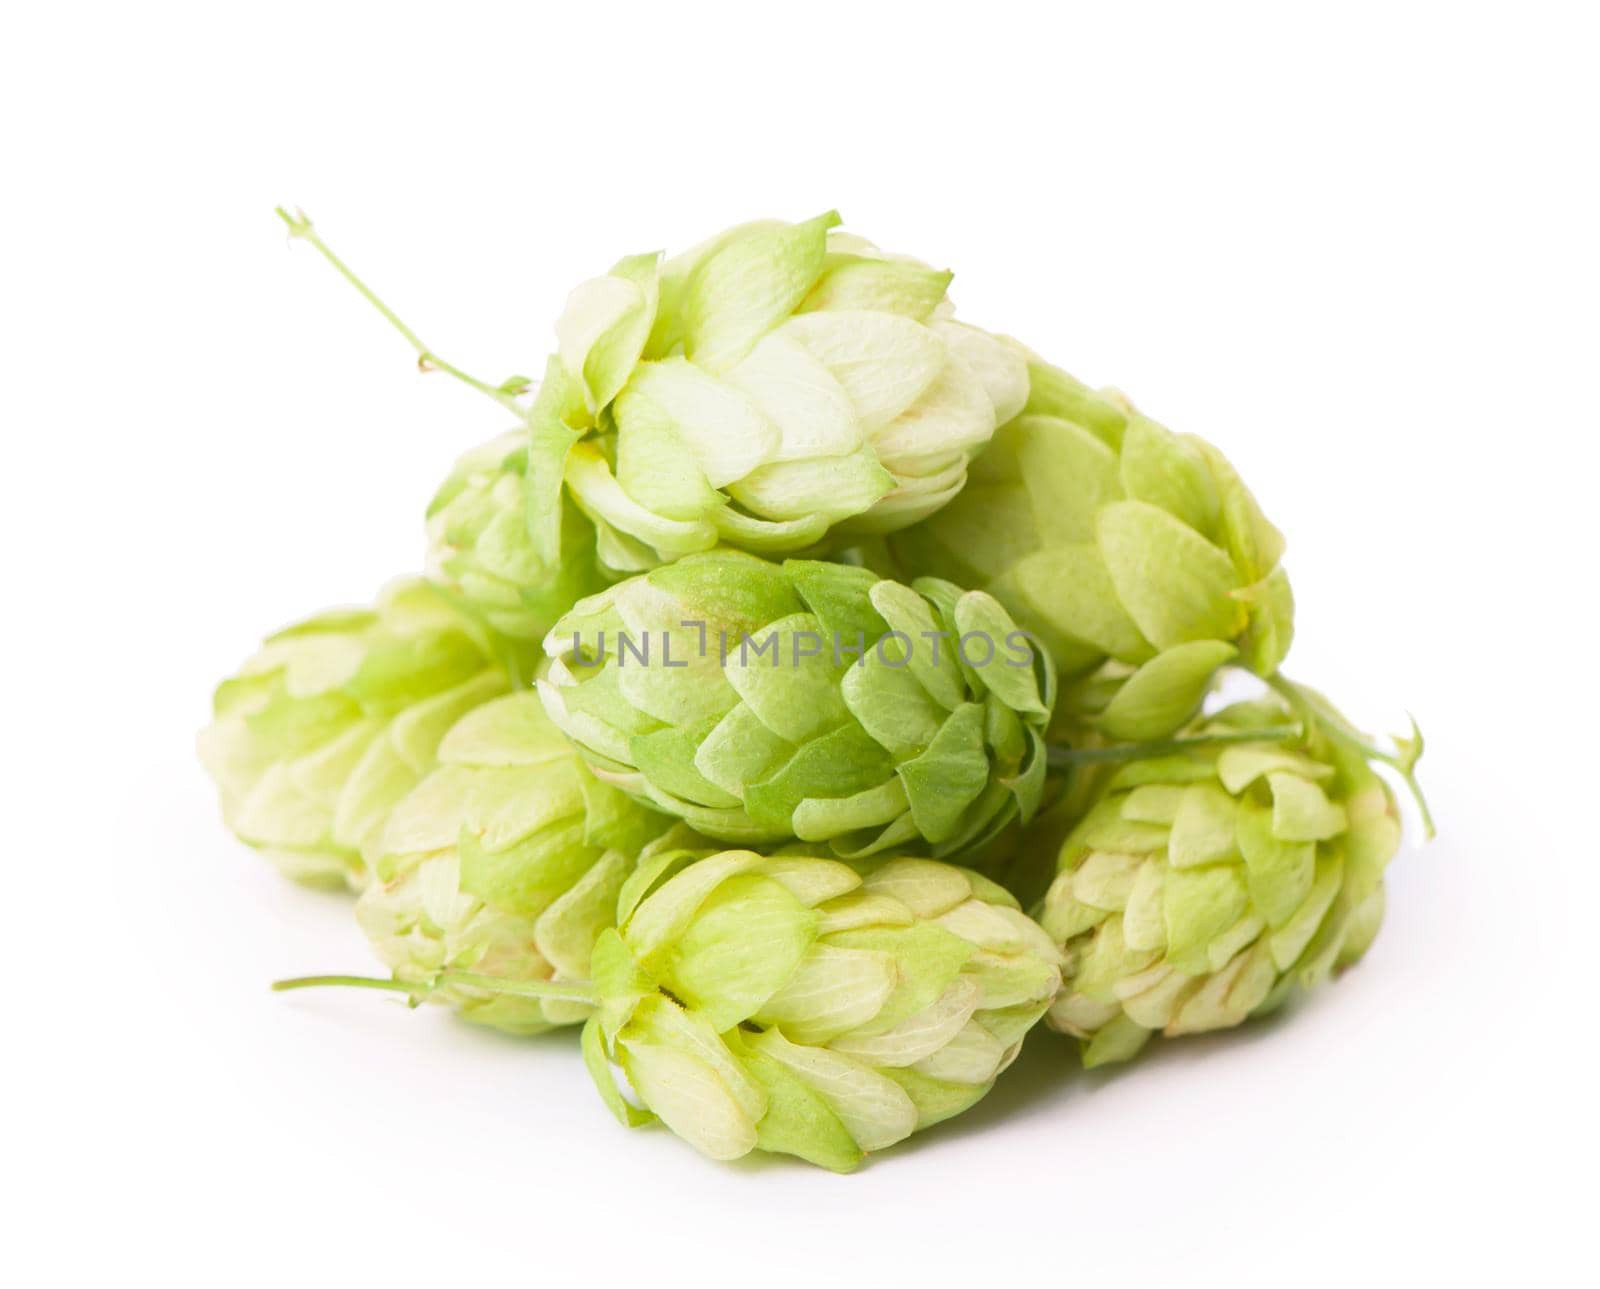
772, 384
480, 546
1112, 538
505, 862
335, 719
1204, 886
804, 1006
763, 702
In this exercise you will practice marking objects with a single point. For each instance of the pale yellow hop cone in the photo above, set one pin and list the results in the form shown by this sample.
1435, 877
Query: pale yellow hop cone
334, 719
1205, 885
807, 1006
771, 386
504, 863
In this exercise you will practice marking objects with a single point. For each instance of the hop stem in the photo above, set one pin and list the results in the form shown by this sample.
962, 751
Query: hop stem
553, 991
562, 991
1317, 711
1061, 757
300, 226
354, 982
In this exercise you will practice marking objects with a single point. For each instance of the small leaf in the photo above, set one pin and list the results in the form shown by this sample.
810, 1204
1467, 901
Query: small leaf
1267, 639
686, 1094
832, 487
1120, 1040
839, 595
892, 706
1105, 880
947, 777
983, 629
600, 1069
1068, 588
746, 939
873, 1109
798, 1121
666, 913
1053, 393
927, 888
1143, 925
1000, 365
748, 285
920, 1035
1174, 583
1290, 940
1301, 810
724, 431
785, 674
1281, 871
550, 441
1108, 961
927, 959
1203, 830
604, 326
838, 764
656, 468
884, 361
930, 659
1160, 468
884, 286
832, 991
1164, 693
1200, 904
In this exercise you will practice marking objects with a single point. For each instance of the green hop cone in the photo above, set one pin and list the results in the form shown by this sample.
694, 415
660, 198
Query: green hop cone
480, 546
1205, 885
763, 702
506, 863
335, 719
809, 1007
1110, 537
773, 383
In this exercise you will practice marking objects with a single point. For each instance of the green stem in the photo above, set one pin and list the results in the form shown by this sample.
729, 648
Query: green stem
355, 982
563, 991
555, 991
1317, 711
1065, 756
300, 226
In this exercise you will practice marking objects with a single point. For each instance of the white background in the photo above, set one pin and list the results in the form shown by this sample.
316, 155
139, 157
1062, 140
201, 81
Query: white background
1356, 247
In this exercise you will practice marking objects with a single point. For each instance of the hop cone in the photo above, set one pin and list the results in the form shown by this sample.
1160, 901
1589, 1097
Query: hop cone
335, 719
773, 383
480, 546
762, 702
506, 861
1109, 537
808, 1007
1203, 887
